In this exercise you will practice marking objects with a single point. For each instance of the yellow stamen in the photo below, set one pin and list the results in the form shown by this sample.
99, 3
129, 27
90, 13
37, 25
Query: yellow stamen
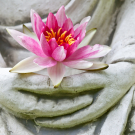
60, 37
58, 33
63, 34
53, 33
49, 34
68, 37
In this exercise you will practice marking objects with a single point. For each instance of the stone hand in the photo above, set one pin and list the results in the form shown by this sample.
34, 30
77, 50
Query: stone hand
14, 97
21, 94
114, 82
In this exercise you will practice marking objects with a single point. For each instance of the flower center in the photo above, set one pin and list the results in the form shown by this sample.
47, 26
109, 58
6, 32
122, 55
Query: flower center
60, 37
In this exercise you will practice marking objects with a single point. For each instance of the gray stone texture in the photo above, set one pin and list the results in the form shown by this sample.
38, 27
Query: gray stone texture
86, 103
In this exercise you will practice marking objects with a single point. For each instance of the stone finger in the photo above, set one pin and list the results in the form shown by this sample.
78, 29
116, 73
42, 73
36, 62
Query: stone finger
3, 128
99, 107
13, 125
108, 97
29, 104
117, 118
72, 84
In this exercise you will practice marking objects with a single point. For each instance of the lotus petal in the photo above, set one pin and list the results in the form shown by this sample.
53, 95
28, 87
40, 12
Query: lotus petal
82, 53
79, 29
88, 37
59, 54
102, 52
45, 62
61, 16
26, 66
97, 66
85, 20
52, 22
29, 33
76, 26
53, 44
15, 34
56, 73
37, 23
78, 64
45, 46
67, 25
31, 45
72, 48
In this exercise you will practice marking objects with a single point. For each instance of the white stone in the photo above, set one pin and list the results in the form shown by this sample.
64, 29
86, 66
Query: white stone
116, 120
105, 87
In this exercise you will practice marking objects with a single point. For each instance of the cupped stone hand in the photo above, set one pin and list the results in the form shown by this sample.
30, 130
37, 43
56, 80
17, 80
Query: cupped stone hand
33, 95
114, 82
30, 105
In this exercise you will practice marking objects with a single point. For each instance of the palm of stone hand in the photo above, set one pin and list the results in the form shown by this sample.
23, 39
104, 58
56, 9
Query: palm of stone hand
65, 111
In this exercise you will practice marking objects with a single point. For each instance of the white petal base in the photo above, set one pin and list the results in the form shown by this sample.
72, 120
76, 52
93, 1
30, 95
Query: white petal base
97, 66
88, 37
78, 64
56, 73
26, 66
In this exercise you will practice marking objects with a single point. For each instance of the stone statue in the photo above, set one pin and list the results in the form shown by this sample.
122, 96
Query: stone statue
86, 103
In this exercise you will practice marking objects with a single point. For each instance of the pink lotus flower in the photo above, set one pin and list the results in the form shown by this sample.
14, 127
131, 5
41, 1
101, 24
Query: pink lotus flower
55, 46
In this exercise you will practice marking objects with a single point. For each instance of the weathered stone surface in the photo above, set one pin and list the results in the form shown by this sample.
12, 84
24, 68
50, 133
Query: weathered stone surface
3, 128
13, 126
117, 117
114, 86
82, 97
2, 62
17, 12
34, 105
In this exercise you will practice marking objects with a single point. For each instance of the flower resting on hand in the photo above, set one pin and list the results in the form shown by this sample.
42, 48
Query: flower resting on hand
55, 45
